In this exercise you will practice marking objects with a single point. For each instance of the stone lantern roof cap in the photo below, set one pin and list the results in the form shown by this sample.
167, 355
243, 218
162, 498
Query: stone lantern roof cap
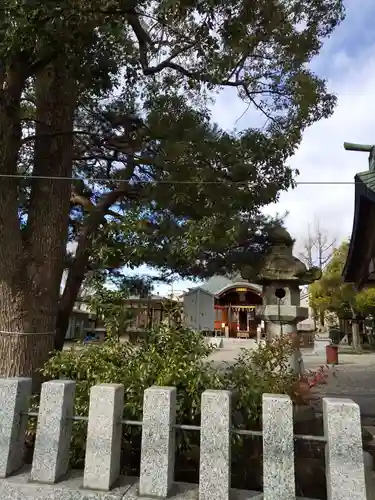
280, 265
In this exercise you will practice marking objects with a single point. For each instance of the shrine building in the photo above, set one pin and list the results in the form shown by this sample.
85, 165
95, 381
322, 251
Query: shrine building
223, 306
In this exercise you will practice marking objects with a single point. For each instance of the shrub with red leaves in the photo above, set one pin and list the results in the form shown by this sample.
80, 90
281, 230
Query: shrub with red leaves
308, 382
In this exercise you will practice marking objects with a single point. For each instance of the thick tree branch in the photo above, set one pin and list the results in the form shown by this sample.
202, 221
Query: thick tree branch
79, 266
88, 205
144, 43
31, 138
2, 76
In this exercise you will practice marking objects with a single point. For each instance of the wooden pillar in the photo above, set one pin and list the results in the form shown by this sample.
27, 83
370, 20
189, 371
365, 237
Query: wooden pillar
227, 332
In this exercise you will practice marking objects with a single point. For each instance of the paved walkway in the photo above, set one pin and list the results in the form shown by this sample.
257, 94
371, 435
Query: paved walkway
353, 378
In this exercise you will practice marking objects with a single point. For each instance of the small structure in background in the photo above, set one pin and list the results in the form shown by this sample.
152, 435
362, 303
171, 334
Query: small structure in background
309, 324
223, 306
227, 306
144, 313
147, 312
81, 320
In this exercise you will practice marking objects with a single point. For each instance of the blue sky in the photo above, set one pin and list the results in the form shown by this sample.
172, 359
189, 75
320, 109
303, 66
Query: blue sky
348, 62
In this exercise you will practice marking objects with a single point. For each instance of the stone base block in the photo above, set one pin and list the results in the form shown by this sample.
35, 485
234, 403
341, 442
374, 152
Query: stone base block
287, 313
18, 487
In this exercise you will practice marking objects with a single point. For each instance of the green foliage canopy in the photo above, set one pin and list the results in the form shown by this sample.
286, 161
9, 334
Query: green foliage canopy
118, 96
331, 293
145, 75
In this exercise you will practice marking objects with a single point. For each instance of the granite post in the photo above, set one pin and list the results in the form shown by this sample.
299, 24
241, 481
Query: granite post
215, 446
14, 404
349, 469
158, 442
278, 448
104, 433
282, 319
52, 443
344, 456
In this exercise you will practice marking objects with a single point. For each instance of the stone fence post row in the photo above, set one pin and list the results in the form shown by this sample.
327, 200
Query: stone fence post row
342, 427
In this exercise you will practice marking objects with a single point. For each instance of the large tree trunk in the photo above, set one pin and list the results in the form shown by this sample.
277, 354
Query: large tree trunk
321, 319
14, 290
33, 286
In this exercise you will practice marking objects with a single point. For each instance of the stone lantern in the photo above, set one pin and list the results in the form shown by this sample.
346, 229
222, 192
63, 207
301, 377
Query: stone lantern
281, 276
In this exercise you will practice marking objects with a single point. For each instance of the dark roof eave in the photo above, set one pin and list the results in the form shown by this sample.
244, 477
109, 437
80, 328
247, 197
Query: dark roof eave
362, 193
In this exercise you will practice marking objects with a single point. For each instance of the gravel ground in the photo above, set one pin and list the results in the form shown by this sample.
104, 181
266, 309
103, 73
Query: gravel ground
353, 377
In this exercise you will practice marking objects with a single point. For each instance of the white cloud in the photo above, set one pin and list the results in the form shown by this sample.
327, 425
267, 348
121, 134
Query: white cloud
322, 158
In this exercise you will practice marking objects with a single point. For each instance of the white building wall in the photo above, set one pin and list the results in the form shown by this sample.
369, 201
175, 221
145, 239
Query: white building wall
199, 310
309, 323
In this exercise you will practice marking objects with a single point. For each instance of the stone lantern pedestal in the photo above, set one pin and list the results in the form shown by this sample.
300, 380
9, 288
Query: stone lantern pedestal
281, 276
282, 320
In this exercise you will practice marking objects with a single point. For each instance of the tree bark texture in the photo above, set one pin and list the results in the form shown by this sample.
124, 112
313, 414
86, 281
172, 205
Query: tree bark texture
21, 352
32, 261
13, 282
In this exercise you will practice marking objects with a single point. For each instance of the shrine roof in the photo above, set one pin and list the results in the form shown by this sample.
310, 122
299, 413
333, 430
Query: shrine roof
216, 284
360, 255
367, 178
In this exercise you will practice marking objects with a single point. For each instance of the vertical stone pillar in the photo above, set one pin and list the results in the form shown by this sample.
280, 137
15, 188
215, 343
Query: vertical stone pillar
344, 456
278, 448
158, 442
215, 446
282, 320
104, 433
52, 443
14, 401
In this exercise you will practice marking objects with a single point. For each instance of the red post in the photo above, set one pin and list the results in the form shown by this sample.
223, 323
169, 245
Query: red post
332, 354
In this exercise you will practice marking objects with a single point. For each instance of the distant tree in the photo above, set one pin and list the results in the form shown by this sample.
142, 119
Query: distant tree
318, 246
332, 294
365, 302
317, 249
